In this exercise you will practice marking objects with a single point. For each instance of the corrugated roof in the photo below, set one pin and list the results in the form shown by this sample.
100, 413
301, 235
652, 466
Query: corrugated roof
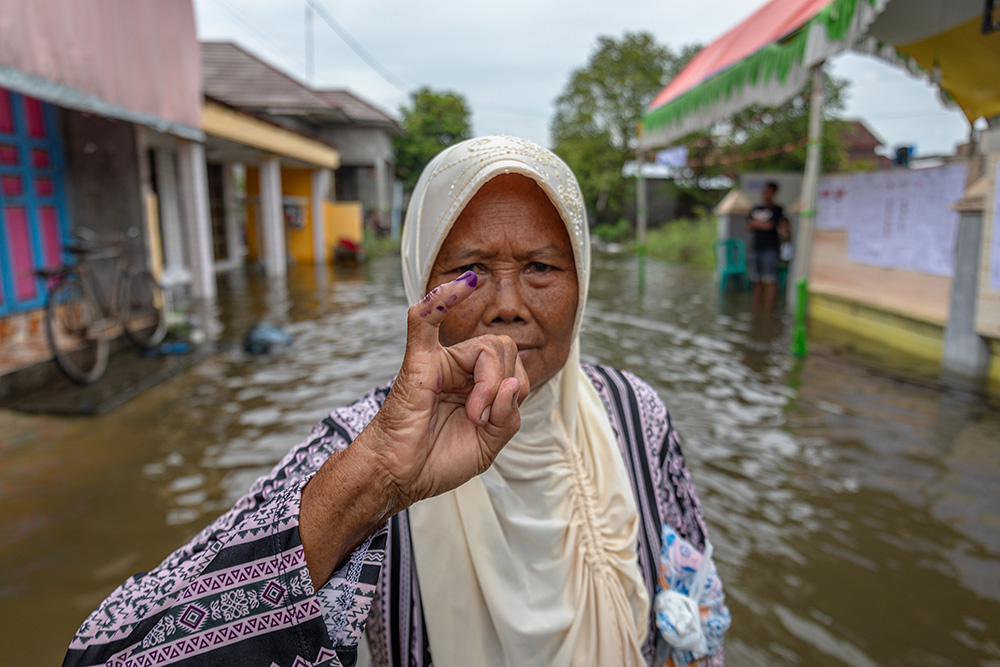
355, 108
238, 78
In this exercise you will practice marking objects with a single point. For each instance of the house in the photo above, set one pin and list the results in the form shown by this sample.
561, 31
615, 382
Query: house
861, 146
360, 133
192, 173
80, 108
366, 154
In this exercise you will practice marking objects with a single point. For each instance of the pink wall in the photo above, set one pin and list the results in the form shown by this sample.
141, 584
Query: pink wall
141, 55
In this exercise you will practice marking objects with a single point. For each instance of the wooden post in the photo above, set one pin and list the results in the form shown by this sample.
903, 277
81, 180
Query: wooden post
641, 211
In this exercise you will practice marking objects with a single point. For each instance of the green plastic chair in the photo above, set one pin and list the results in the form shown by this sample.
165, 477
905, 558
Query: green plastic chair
731, 261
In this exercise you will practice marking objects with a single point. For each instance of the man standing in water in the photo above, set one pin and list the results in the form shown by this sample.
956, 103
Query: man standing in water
768, 226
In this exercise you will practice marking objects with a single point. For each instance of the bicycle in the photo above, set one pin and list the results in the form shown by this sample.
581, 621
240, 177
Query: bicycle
79, 330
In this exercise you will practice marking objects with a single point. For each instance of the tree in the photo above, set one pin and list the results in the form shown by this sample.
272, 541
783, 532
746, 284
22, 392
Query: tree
597, 112
432, 122
745, 140
757, 129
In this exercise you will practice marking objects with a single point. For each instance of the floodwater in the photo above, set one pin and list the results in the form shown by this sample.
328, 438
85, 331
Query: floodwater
855, 511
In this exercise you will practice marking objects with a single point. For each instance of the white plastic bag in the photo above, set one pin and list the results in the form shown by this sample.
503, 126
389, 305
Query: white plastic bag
690, 607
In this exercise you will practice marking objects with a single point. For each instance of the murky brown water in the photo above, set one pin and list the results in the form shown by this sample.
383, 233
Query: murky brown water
856, 517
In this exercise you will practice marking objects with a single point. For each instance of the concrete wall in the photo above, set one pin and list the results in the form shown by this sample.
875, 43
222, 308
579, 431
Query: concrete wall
919, 296
359, 146
102, 174
366, 150
789, 187
103, 188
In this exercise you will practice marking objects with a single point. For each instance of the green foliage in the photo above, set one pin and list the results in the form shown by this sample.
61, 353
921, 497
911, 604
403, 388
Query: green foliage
376, 245
433, 121
613, 233
758, 128
598, 110
689, 242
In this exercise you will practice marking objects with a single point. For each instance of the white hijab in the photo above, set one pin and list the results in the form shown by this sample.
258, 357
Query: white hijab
533, 562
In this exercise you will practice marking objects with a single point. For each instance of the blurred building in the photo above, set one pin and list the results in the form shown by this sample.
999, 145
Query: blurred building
195, 157
361, 133
861, 146
81, 100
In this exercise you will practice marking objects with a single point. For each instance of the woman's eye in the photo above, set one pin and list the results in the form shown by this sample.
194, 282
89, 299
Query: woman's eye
538, 267
468, 267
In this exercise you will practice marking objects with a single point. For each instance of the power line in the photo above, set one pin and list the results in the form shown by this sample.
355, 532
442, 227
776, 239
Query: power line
359, 50
261, 34
356, 47
913, 116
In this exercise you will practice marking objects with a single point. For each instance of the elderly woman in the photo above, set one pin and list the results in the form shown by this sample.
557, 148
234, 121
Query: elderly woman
497, 504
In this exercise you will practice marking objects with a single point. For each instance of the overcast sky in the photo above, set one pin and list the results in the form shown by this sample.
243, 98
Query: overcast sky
511, 60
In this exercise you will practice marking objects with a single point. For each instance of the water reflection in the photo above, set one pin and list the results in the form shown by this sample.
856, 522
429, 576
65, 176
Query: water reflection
856, 518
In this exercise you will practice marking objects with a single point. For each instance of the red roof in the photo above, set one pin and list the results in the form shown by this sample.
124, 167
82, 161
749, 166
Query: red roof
768, 24
859, 139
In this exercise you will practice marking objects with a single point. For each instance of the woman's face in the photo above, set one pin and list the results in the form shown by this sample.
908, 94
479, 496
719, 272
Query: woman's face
511, 235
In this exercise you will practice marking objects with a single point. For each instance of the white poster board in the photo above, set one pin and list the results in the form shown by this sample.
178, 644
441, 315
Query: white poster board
898, 219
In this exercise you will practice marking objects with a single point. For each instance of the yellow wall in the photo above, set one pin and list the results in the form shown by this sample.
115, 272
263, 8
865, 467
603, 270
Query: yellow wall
297, 183
343, 221
922, 339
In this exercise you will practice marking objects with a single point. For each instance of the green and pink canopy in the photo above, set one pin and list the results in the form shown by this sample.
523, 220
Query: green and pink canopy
767, 58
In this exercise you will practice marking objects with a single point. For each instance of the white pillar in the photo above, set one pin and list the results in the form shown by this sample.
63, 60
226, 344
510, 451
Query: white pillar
810, 189
320, 189
272, 220
197, 218
234, 239
381, 194
174, 266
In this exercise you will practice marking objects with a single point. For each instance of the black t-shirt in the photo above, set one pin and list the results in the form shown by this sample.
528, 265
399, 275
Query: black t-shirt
767, 240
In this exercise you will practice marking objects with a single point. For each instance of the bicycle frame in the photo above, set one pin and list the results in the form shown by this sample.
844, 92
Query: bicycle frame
92, 290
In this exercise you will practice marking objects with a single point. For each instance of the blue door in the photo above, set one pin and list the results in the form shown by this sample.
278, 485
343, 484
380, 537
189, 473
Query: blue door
33, 224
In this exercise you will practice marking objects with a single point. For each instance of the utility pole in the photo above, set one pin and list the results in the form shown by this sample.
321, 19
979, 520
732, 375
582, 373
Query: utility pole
310, 52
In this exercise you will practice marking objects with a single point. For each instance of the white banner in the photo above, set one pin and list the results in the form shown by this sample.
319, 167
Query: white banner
898, 219
995, 245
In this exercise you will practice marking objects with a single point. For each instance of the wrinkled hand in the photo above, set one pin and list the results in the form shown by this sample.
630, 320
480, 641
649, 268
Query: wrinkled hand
451, 409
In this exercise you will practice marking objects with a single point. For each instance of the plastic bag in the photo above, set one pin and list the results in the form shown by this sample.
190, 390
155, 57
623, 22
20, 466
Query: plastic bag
690, 606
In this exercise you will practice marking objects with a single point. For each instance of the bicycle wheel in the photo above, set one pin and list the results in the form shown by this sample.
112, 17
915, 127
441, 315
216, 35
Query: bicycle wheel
75, 333
142, 309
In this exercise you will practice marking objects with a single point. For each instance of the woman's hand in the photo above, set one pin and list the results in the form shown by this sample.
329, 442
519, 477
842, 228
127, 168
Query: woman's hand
451, 409
450, 412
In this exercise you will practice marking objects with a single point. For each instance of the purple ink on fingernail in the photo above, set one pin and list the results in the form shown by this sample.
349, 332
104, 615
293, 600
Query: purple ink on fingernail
441, 308
470, 277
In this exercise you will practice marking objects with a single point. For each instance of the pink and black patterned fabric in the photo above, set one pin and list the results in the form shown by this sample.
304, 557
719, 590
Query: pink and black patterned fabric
240, 594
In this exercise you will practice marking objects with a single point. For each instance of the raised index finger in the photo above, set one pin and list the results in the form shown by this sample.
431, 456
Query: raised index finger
426, 315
